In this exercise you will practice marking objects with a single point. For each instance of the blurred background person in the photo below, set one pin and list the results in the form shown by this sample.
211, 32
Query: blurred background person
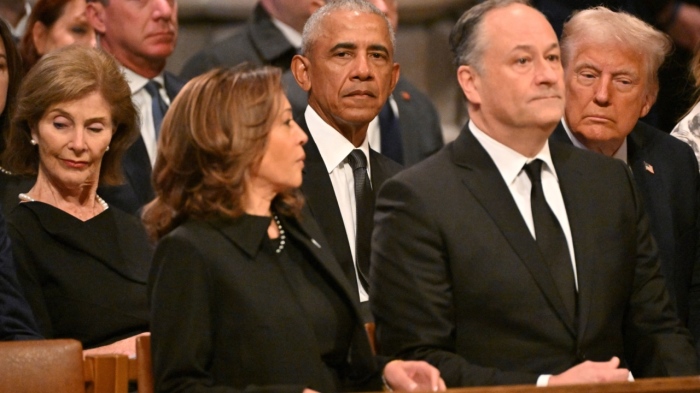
688, 128
10, 78
231, 225
16, 14
83, 264
141, 35
54, 24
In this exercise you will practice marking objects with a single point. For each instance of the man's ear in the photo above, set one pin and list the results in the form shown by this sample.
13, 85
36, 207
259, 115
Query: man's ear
300, 70
470, 83
395, 75
95, 14
649, 100
316, 4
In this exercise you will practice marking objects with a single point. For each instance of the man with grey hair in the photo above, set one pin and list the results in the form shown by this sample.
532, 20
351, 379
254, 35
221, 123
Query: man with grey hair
141, 35
347, 67
509, 259
610, 64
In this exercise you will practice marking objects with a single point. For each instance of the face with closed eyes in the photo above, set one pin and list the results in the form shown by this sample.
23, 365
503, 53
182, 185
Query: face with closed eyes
72, 138
71, 27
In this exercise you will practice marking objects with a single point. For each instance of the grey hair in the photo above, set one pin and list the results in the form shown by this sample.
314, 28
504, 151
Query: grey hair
601, 25
466, 40
313, 25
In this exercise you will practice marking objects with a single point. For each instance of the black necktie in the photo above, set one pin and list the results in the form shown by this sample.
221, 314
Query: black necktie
158, 106
390, 134
364, 209
550, 239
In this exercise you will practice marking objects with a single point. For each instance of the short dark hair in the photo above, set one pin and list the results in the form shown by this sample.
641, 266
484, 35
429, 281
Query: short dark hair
466, 42
69, 74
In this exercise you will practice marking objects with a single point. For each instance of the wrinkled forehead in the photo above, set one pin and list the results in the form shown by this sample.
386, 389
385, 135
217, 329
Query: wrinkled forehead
357, 28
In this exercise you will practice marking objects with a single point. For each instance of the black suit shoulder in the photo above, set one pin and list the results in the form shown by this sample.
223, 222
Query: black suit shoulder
421, 131
258, 42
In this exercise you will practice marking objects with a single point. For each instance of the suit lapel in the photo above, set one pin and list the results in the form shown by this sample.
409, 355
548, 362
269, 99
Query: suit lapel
485, 182
560, 135
173, 85
570, 181
321, 200
137, 168
308, 235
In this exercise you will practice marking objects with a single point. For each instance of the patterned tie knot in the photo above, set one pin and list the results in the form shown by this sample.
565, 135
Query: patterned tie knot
534, 170
357, 159
152, 87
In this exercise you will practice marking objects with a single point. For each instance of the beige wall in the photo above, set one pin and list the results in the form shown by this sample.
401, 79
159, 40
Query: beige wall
422, 48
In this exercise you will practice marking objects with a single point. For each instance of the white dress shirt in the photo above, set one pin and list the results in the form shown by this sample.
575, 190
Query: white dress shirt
334, 149
510, 164
143, 102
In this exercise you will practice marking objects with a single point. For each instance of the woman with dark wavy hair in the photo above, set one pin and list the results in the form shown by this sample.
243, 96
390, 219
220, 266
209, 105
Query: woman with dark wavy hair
245, 292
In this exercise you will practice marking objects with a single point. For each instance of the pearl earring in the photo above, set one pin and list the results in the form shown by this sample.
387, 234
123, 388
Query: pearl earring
33, 142
107, 149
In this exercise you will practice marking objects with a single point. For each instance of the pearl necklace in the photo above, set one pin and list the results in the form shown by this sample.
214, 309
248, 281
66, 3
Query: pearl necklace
282, 235
26, 198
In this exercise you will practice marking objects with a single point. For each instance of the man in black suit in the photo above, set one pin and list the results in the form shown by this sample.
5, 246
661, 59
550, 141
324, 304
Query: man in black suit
347, 68
508, 259
141, 35
679, 18
610, 84
410, 132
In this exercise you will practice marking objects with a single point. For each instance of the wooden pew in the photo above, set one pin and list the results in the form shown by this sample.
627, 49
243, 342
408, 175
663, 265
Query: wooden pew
651, 385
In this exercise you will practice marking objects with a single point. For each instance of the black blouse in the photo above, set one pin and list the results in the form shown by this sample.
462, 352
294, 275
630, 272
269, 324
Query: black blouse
83, 279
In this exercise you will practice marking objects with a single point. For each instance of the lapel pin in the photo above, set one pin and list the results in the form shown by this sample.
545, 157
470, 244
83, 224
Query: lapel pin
406, 95
648, 167
315, 243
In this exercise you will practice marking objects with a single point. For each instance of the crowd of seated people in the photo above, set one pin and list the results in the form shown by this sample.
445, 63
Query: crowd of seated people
254, 240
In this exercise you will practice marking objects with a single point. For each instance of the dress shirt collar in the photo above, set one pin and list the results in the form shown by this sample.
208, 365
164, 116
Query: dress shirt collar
620, 154
288, 32
332, 145
137, 82
509, 162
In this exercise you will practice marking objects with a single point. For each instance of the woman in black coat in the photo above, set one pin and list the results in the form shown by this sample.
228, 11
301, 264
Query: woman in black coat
245, 293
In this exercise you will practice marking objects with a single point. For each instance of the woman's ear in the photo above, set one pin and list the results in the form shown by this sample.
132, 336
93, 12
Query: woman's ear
39, 34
